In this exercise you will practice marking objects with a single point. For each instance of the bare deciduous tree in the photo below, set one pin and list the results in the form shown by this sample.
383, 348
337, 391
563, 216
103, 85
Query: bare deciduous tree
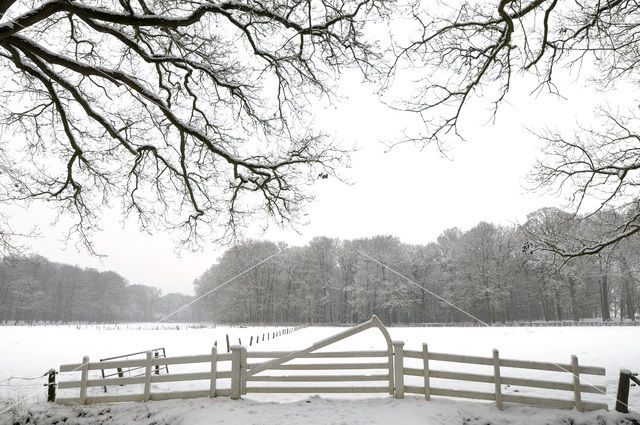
187, 111
599, 167
468, 51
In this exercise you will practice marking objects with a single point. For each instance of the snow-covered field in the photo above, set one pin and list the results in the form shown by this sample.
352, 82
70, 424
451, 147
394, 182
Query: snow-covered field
27, 352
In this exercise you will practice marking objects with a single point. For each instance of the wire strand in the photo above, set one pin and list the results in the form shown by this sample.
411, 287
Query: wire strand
220, 286
562, 368
30, 396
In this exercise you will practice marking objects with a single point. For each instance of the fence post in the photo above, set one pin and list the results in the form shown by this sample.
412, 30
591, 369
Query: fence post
102, 373
214, 367
157, 365
392, 387
51, 385
228, 349
622, 400
576, 382
164, 354
243, 369
496, 378
83, 380
147, 377
398, 368
236, 387
425, 362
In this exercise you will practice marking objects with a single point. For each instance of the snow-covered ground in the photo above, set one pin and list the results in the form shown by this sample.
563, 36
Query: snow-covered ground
28, 352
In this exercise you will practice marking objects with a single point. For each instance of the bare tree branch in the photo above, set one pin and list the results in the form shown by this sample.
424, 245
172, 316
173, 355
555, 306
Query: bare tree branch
190, 112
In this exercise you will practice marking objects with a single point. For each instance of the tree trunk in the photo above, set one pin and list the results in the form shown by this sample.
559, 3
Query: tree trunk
558, 307
575, 311
631, 308
628, 292
543, 301
604, 298
423, 309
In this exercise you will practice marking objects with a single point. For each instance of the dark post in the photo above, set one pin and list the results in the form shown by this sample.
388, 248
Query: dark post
51, 385
103, 388
622, 401
157, 366
228, 349
251, 341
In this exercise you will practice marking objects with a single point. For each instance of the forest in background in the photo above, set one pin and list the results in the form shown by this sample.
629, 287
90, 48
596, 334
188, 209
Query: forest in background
34, 289
493, 272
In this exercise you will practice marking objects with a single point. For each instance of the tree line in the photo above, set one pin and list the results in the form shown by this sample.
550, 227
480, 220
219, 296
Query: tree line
494, 273
34, 289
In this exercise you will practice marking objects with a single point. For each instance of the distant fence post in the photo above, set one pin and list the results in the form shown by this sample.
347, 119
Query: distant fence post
83, 380
147, 377
236, 358
398, 368
51, 385
228, 346
576, 382
622, 399
425, 362
496, 378
214, 368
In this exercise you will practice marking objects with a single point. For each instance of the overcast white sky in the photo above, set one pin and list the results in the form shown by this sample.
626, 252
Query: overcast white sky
408, 192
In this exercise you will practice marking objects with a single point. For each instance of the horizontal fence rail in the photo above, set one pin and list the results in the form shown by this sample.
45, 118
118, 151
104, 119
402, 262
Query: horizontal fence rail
348, 372
146, 379
335, 356
500, 365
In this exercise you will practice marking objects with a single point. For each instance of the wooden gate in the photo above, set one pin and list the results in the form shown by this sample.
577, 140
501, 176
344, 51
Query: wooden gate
253, 372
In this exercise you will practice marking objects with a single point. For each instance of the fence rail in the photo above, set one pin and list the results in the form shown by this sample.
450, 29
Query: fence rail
147, 379
499, 364
342, 372
333, 355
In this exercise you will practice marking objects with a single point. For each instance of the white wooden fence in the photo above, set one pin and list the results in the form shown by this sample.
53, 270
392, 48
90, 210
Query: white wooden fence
147, 379
384, 371
572, 370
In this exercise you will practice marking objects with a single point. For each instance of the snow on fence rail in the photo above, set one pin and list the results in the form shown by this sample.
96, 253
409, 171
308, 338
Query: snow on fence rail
146, 379
385, 379
384, 370
427, 373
